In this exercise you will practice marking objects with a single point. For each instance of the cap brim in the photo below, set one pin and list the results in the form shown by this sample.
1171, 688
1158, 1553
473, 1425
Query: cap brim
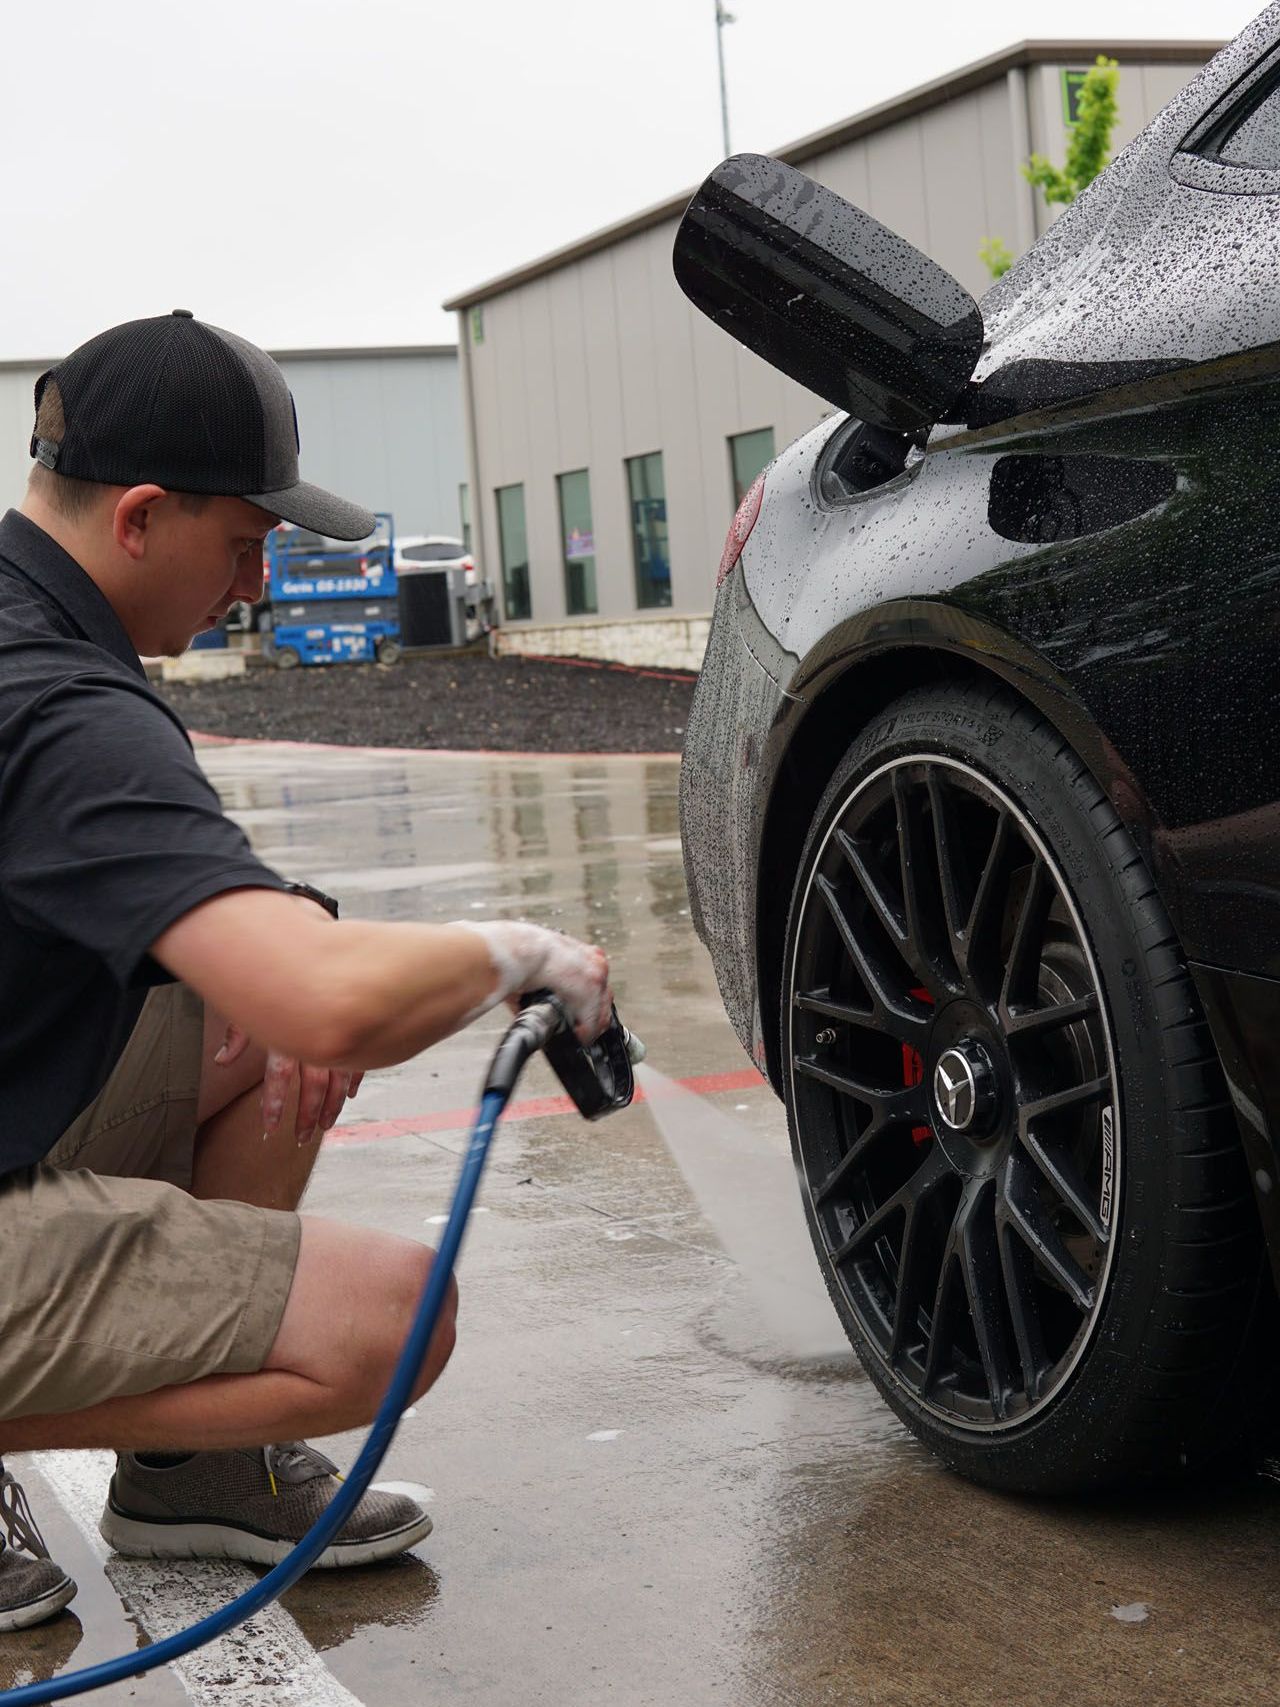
318, 511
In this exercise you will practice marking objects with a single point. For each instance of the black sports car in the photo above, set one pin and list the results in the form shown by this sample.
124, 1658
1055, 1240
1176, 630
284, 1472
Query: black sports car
981, 791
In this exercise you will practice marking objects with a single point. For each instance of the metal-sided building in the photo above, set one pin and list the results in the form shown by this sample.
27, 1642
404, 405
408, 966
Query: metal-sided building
381, 426
610, 429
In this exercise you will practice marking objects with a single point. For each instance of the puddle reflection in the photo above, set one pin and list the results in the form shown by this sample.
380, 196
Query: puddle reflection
31, 1656
333, 1607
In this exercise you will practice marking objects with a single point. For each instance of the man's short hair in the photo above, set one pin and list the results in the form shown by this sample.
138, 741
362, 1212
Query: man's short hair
66, 496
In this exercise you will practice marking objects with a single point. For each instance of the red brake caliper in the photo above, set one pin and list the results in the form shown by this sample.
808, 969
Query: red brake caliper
913, 1072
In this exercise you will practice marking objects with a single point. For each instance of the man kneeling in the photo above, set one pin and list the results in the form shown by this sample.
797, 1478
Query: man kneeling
165, 998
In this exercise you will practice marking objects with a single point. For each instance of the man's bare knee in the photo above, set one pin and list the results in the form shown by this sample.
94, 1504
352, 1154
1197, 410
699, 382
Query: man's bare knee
222, 1085
349, 1310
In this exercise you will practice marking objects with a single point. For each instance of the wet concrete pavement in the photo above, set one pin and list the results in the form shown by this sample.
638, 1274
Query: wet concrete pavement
659, 1477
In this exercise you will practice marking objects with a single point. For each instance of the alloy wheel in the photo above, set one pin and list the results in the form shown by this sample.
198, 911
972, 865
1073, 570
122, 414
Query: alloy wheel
954, 1092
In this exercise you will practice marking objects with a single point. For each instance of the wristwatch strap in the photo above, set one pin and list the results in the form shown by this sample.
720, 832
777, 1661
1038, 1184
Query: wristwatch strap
313, 894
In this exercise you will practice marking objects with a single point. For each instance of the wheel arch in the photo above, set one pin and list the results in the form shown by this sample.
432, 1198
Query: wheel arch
846, 693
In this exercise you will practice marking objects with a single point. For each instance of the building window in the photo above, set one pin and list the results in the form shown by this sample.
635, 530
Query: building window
464, 515
578, 543
1072, 83
513, 542
649, 530
749, 454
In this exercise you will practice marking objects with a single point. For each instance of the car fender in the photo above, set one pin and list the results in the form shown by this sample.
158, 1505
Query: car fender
869, 660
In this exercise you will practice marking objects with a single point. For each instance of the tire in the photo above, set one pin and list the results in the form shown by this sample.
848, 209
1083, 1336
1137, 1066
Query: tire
387, 651
286, 657
1019, 1165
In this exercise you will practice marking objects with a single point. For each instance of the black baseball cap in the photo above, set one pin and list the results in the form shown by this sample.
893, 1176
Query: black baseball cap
194, 409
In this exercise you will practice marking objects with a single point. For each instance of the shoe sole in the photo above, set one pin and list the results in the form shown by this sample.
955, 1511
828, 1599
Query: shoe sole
35, 1611
137, 1538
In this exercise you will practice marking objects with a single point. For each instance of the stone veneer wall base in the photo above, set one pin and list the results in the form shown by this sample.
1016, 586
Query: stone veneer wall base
669, 642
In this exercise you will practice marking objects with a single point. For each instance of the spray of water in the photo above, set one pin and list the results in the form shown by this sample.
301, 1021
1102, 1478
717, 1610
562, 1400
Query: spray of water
745, 1186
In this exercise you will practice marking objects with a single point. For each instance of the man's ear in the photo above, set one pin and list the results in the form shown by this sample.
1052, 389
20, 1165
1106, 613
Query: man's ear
132, 518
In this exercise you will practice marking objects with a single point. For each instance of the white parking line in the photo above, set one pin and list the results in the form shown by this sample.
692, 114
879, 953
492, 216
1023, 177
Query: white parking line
165, 1595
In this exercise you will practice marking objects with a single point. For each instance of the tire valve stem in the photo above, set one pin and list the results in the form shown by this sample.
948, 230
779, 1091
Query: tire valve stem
826, 1036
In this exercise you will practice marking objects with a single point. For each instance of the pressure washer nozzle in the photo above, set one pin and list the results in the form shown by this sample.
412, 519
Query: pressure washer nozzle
596, 1075
636, 1050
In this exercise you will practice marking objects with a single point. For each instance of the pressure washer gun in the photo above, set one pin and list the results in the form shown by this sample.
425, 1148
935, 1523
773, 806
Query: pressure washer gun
597, 1075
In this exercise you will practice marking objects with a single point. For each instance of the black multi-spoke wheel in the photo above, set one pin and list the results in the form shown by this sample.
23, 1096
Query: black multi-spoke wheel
1000, 1093
954, 1090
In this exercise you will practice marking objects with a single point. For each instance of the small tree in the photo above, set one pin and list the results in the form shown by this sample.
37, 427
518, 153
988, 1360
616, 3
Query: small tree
1088, 151
996, 256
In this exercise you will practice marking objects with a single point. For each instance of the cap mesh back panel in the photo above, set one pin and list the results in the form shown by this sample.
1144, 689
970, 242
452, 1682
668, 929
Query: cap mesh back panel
162, 400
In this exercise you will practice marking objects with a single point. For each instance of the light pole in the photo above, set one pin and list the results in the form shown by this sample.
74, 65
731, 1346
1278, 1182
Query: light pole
723, 17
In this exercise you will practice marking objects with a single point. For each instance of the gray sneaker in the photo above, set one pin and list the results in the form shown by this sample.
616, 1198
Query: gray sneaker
32, 1587
252, 1505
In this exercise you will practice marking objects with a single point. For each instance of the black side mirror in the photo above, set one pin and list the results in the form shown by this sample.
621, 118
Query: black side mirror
827, 294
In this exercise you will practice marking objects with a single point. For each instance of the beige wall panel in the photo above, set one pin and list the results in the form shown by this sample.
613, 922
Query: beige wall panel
1146, 90
491, 398
768, 399
541, 377
633, 294
503, 354
1044, 109
538, 375
481, 539
683, 410
714, 360
481, 405
803, 410
954, 190
1134, 111
1001, 183
729, 392
845, 172
568, 349
508, 339
1048, 137
609, 517
895, 168
1160, 83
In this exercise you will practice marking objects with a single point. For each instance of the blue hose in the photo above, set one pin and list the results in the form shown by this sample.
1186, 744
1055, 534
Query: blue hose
322, 1532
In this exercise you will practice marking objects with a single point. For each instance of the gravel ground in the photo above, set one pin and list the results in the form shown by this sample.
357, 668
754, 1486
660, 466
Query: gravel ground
467, 700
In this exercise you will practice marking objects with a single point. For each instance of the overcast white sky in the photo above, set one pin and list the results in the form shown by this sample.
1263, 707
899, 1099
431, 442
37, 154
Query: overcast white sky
327, 172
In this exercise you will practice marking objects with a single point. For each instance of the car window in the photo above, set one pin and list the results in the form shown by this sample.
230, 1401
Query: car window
443, 551
1255, 141
1240, 132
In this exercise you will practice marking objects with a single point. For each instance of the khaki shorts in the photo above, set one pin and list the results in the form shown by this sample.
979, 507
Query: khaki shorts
113, 1280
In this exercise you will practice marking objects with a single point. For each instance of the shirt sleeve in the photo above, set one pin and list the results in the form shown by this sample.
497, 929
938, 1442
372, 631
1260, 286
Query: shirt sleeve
109, 830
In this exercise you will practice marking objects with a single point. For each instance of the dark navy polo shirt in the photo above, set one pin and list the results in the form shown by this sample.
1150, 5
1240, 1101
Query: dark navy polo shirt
109, 833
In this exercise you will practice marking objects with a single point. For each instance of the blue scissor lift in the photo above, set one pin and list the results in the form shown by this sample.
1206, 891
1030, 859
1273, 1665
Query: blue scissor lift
332, 604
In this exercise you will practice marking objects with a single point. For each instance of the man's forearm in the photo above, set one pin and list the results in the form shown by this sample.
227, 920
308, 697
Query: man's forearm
400, 988
352, 994
357, 994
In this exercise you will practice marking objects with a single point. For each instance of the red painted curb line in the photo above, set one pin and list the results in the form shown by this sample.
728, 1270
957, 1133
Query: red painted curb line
200, 738
534, 1108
